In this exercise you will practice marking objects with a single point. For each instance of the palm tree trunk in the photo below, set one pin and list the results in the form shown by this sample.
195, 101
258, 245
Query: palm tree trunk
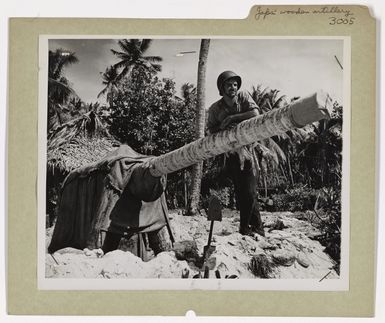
197, 170
277, 182
111, 100
185, 189
265, 184
283, 172
290, 171
298, 114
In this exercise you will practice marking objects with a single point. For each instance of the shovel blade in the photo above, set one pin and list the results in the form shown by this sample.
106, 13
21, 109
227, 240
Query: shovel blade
215, 209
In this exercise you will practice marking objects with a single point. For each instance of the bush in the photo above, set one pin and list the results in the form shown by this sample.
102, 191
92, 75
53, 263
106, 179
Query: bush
149, 117
299, 198
261, 266
331, 204
302, 198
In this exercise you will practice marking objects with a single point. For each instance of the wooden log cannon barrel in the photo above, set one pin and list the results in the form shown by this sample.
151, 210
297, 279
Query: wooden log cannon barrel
304, 111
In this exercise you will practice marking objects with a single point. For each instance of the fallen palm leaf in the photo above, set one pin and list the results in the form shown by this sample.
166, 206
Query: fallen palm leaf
261, 266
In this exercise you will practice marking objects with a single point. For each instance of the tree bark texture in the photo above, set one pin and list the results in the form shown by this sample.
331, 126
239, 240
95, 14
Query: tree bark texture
197, 170
307, 110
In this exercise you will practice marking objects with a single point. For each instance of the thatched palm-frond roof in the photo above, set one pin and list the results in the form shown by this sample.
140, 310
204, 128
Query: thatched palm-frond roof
79, 152
78, 142
87, 125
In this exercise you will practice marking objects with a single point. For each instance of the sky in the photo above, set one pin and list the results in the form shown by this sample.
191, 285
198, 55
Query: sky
296, 67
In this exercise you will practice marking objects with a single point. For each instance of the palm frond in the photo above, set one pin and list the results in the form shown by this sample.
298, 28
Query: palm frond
124, 45
280, 102
121, 64
266, 153
145, 45
78, 152
102, 92
156, 67
153, 59
58, 59
131, 55
55, 85
272, 145
125, 72
122, 56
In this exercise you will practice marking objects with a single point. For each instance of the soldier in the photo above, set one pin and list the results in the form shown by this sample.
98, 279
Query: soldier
234, 107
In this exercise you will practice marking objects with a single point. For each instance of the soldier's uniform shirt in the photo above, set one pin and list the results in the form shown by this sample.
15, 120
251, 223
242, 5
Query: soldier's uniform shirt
220, 110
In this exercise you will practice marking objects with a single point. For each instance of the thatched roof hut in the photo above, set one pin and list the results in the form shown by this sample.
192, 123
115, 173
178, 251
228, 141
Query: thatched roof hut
78, 142
74, 144
78, 152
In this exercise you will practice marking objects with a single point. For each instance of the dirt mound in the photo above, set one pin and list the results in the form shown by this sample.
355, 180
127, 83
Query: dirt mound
304, 257
287, 251
72, 263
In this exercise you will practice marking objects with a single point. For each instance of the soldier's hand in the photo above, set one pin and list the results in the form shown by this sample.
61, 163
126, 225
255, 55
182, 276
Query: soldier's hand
147, 164
163, 181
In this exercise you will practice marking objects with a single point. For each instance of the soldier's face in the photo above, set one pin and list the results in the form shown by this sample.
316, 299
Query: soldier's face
230, 88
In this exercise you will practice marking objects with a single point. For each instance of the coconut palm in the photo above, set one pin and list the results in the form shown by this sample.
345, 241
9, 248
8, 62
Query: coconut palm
277, 152
267, 99
320, 155
109, 79
269, 154
188, 92
132, 55
269, 157
59, 59
196, 175
59, 88
75, 107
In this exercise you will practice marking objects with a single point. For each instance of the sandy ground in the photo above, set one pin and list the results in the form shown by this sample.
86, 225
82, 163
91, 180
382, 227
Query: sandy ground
290, 251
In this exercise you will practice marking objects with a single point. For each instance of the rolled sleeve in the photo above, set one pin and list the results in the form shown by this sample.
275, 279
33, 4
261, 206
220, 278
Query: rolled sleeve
247, 103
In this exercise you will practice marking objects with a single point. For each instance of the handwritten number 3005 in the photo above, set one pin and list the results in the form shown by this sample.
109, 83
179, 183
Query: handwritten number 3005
341, 21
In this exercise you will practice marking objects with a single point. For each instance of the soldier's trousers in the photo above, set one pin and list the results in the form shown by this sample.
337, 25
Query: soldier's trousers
245, 185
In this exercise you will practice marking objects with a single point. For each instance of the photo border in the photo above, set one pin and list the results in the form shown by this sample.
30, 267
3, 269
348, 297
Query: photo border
23, 297
278, 284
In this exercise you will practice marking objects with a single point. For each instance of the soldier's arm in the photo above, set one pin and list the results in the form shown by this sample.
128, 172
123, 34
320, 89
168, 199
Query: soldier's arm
237, 118
249, 109
248, 103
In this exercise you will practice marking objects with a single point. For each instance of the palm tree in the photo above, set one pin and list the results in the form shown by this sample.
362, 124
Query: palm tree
196, 175
58, 60
267, 99
111, 85
189, 95
269, 154
320, 155
132, 55
59, 88
278, 150
75, 108
269, 157
188, 92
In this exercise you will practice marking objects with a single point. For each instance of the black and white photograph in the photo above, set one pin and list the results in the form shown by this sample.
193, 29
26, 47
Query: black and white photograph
194, 163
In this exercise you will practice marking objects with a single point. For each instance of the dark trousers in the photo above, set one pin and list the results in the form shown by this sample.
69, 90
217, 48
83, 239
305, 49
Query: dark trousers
245, 185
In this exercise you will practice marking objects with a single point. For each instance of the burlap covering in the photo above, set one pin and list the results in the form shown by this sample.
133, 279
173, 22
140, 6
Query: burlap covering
116, 193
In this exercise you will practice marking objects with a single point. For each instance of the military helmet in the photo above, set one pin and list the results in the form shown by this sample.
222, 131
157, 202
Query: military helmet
226, 75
